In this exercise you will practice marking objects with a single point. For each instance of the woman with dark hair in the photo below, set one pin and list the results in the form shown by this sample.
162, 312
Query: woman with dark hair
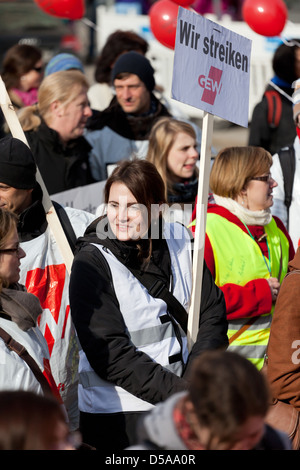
22, 73
101, 93
130, 291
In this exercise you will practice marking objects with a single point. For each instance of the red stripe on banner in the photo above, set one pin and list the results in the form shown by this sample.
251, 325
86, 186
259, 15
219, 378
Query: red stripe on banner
50, 379
65, 322
48, 284
49, 338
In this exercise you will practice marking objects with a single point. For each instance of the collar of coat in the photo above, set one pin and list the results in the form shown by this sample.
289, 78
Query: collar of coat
127, 125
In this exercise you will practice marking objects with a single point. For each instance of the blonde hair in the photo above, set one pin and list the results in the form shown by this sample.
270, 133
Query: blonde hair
161, 139
61, 86
234, 167
8, 223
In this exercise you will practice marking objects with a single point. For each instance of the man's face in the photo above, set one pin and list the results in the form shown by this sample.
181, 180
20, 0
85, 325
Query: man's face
14, 199
132, 94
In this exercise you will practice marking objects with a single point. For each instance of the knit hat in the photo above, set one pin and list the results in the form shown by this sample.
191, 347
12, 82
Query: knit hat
63, 61
17, 165
136, 63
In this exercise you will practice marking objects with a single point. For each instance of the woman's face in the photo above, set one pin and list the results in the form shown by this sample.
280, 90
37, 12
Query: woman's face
258, 194
127, 218
10, 260
73, 117
182, 157
33, 78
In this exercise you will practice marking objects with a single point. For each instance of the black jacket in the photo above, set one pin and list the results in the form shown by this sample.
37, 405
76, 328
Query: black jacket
129, 126
273, 138
101, 328
32, 221
61, 168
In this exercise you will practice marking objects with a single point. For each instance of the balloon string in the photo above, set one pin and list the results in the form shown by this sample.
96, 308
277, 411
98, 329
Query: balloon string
90, 23
290, 42
280, 90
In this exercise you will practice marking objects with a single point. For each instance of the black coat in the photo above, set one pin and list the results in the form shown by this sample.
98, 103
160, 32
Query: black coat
273, 138
101, 329
61, 167
127, 125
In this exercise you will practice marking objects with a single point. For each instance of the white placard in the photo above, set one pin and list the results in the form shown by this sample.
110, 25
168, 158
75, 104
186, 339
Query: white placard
211, 67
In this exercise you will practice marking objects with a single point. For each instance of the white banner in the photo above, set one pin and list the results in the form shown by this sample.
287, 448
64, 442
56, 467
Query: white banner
86, 198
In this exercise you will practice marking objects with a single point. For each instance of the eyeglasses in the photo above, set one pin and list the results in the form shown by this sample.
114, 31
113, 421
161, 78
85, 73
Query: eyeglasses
266, 178
11, 250
38, 69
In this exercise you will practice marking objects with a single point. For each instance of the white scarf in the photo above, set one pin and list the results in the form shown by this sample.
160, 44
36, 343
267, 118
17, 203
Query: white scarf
262, 217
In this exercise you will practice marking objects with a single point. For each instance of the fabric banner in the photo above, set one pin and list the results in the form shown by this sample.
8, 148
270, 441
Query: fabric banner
211, 68
44, 274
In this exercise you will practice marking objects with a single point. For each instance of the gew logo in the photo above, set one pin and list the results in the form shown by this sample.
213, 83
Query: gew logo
211, 84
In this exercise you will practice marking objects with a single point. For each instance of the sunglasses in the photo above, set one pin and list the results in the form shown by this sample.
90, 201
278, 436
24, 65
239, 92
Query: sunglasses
38, 69
266, 178
11, 250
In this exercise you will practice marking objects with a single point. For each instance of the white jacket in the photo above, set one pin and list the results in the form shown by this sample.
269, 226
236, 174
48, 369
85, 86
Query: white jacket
278, 207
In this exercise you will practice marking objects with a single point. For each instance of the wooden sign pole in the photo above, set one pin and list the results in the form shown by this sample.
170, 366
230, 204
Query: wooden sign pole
201, 212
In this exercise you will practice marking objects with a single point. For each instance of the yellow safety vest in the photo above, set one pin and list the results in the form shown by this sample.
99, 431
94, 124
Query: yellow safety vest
238, 260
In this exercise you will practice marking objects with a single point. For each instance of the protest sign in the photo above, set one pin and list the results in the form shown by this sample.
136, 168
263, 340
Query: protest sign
211, 72
211, 68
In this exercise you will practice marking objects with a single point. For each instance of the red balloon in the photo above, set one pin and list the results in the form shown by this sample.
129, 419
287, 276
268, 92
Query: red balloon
265, 17
67, 9
163, 21
184, 3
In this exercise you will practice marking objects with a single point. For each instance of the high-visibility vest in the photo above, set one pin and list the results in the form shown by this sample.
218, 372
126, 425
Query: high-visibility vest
238, 260
147, 324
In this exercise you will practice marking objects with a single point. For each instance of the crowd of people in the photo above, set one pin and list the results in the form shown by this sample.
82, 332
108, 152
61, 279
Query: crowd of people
103, 349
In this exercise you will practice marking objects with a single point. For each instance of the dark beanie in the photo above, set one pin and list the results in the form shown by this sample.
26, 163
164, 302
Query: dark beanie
136, 63
17, 165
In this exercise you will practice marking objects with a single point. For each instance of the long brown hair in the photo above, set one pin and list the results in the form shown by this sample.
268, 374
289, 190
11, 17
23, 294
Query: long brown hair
161, 140
19, 60
145, 183
142, 179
